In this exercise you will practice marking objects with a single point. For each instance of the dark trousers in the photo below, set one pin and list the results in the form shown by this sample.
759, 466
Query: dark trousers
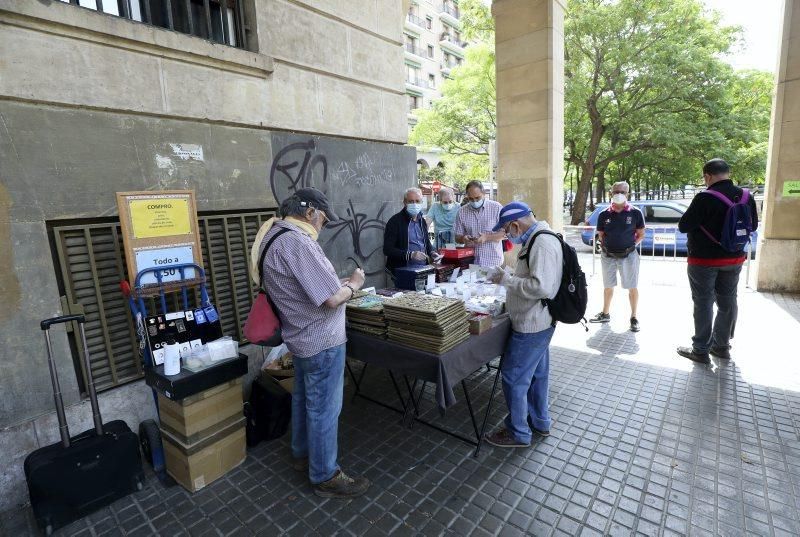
713, 285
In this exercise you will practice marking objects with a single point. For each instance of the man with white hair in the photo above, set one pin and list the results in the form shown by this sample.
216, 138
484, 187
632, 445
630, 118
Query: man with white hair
620, 228
443, 216
405, 238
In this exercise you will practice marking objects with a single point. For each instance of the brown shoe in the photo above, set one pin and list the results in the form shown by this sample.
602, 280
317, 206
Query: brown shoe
342, 486
503, 438
688, 352
301, 464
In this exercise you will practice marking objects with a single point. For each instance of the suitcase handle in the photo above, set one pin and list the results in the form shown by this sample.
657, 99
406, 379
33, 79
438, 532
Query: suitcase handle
47, 323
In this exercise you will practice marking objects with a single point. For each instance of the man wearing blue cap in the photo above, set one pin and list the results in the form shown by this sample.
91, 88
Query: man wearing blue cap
525, 367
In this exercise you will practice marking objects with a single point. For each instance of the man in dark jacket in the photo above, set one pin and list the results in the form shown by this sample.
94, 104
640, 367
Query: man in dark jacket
713, 271
405, 238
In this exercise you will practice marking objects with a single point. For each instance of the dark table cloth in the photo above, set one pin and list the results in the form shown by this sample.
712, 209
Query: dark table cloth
445, 370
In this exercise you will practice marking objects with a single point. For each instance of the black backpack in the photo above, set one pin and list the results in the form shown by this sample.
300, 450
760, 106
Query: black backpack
268, 412
569, 304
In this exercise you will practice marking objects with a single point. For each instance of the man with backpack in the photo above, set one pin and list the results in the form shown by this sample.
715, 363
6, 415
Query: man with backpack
525, 366
718, 222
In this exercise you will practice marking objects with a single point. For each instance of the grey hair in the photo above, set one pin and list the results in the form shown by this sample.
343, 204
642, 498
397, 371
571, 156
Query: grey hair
291, 206
446, 190
621, 183
413, 189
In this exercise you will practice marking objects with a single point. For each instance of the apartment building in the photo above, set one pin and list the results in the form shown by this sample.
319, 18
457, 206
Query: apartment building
433, 47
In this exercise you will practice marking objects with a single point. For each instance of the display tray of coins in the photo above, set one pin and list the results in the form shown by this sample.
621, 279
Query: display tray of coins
427, 322
364, 313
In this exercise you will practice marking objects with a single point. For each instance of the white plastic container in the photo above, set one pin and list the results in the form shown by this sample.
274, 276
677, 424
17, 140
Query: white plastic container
172, 359
223, 348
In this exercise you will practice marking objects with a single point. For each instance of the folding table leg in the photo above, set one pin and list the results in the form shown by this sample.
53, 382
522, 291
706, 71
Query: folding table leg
356, 382
408, 407
397, 389
411, 394
488, 407
471, 411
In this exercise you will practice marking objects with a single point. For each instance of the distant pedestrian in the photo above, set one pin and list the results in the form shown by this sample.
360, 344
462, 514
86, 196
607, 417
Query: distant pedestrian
443, 215
474, 225
620, 228
718, 228
525, 366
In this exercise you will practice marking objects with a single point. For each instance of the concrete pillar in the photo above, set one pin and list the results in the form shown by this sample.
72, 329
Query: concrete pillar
779, 248
530, 104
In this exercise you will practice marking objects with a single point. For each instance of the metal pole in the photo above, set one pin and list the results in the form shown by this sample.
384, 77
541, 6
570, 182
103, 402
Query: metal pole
98, 422
63, 429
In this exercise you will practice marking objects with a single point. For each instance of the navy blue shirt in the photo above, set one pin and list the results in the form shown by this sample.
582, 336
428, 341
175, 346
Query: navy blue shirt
620, 227
416, 240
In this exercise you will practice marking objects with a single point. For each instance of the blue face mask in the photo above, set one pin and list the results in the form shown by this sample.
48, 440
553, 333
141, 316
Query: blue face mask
413, 208
477, 204
516, 239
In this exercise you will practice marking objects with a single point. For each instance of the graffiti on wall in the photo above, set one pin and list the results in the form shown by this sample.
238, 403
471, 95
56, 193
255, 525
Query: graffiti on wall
361, 182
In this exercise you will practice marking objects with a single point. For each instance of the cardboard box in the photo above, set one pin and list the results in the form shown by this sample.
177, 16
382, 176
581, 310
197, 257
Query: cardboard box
480, 323
197, 465
201, 415
284, 376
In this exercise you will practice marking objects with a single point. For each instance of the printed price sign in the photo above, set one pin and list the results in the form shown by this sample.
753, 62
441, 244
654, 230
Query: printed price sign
664, 238
159, 257
159, 217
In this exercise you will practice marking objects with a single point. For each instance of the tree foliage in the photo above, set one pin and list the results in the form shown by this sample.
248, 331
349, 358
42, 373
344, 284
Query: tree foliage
648, 98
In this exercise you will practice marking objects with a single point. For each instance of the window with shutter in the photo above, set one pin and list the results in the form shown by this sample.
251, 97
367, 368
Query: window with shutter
90, 264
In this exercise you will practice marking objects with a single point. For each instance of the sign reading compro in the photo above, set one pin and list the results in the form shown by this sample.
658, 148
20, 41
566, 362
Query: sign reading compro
159, 217
159, 229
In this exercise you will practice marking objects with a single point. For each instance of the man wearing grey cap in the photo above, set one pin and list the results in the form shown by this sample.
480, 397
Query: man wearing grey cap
309, 299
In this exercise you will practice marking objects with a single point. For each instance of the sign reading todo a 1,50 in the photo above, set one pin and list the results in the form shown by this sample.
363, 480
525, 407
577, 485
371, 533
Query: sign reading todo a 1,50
147, 258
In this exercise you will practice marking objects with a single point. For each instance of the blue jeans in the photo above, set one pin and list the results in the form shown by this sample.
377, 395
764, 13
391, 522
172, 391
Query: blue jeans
526, 373
710, 285
316, 404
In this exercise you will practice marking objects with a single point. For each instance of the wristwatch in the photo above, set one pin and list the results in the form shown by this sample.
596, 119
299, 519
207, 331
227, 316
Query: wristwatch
352, 291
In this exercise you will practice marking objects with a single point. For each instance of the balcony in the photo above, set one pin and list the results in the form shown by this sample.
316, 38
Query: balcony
414, 50
449, 14
417, 83
446, 67
452, 43
414, 21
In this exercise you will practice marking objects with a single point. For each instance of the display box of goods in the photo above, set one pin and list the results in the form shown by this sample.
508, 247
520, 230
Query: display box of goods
443, 271
457, 253
480, 323
412, 278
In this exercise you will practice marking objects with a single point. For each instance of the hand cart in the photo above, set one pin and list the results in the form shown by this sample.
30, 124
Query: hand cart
149, 433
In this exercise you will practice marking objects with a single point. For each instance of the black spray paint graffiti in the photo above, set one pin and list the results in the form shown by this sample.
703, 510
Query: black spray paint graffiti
295, 167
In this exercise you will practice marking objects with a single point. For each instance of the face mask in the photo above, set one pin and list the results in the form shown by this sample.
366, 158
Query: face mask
414, 208
619, 199
516, 239
477, 204
448, 206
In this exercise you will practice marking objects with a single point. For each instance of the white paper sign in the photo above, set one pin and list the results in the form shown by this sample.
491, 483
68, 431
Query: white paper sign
157, 257
431, 282
454, 275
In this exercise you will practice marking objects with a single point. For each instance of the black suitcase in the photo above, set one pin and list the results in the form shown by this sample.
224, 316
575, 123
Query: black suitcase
70, 479
268, 411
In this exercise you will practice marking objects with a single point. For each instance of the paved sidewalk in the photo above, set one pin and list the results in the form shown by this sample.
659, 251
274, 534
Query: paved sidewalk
644, 443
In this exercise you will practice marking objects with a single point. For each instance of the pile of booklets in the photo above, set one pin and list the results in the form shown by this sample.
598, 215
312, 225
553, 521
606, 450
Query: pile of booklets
364, 313
443, 272
427, 322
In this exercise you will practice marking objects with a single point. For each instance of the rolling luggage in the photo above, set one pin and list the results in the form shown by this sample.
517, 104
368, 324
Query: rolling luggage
268, 412
74, 477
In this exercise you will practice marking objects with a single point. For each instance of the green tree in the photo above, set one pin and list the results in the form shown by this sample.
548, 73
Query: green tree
640, 76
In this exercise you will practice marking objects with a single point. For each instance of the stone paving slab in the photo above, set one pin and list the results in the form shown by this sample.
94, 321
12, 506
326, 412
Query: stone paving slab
644, 443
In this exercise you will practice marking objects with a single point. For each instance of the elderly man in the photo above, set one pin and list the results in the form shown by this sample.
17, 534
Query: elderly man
525, 366
310, 299
405, 238
443, 216
620, 228
474, 224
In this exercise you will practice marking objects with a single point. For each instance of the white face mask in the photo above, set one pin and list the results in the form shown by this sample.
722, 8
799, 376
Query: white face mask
619, 199
477, 204
449, 206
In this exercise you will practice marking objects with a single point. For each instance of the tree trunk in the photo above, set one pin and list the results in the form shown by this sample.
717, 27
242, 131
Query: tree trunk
584, 187
600, 189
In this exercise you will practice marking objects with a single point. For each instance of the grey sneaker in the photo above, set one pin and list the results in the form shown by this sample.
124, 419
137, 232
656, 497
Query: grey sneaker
688, 352
601, 318
634, 324
342, 486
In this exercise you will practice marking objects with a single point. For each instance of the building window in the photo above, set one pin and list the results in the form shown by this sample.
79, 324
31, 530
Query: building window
220, 21
414, 102
428, 23
412, 75
89, 259
431, 81
430, 51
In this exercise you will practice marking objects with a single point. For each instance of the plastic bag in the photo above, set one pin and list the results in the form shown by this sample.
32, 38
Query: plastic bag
275, 354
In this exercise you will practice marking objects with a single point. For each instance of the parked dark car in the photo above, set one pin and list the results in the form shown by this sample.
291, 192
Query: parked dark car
661, 218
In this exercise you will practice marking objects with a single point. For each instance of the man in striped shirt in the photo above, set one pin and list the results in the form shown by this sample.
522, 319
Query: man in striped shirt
474, 225
309, 299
